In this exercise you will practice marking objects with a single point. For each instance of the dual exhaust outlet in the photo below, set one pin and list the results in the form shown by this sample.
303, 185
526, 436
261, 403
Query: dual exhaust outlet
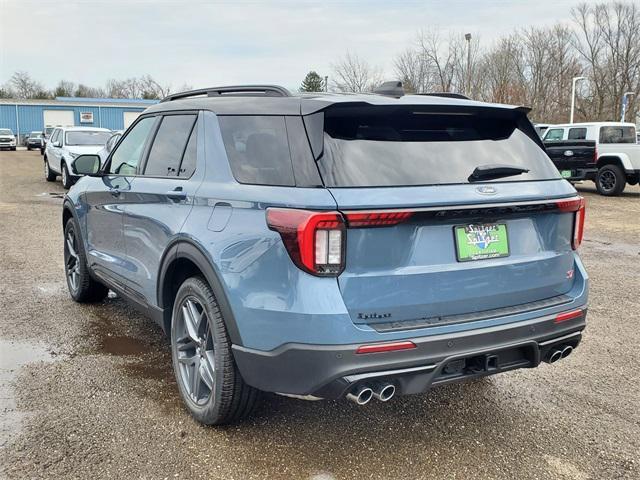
559, 352
363, 394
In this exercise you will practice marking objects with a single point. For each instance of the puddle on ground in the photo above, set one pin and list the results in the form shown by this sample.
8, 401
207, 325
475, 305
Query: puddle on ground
13, 356
51, 195
121, 345
614, 247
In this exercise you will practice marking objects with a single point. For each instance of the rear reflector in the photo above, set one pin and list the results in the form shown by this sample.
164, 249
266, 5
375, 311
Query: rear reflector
563, 317
385, 347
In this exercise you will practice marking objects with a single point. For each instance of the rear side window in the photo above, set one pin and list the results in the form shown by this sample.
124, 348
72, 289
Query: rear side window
577, 134
403, 146
258, 149
617, 134
169, 145
554, 134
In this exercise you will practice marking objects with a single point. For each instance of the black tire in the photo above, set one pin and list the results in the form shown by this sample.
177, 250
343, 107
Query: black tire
67, 182
229, 398
49, 175
82, 287
28, 149
13, 149
610, 180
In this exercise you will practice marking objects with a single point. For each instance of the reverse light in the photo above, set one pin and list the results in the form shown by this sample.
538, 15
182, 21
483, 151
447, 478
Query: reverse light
563, 317
577, 205
385, 347
314, 240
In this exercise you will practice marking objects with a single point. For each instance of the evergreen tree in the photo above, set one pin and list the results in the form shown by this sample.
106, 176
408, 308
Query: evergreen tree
312, 83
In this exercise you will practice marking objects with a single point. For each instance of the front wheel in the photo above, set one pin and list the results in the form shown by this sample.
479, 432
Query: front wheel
49, 175
66, 178
610, 180
81, 286
208, 379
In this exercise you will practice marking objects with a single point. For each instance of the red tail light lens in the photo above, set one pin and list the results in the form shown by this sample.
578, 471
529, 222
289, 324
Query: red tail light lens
376, 219
314, 240
577, 205
563, 317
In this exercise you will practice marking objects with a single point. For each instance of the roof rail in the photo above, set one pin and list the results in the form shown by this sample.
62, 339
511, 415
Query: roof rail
446, 95
247, 90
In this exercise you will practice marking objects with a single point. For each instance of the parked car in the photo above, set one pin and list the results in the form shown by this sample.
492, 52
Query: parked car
34, 140
332, 246
576, 160
65, 144
7, 139
618, 154
45, 136
113, 140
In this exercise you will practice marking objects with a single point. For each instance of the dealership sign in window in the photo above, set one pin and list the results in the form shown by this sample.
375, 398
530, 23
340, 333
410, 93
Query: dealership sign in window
86, 117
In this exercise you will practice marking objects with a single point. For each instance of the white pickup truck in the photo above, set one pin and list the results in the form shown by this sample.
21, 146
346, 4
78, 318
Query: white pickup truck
618, 153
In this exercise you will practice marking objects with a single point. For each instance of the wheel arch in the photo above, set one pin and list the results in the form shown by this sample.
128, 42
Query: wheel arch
184, 259
67, 213
618, 159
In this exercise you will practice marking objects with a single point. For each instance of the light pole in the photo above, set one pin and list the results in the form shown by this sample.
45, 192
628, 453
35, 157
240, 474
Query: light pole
573, 95
625, 102
467, 37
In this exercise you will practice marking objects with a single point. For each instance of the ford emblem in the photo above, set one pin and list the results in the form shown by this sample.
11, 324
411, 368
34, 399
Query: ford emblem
486, 190
568, 153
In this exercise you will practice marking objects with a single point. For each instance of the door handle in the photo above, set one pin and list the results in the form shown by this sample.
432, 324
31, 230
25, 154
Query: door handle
177, 194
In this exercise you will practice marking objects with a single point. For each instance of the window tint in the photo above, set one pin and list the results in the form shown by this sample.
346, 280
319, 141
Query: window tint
126, 156
258, 149
577, 134
382, 146
169, 145
87, 137
554, 134
617, 134
188, 165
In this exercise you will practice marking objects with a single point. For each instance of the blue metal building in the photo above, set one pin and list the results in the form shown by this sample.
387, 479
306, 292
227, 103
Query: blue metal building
24, 116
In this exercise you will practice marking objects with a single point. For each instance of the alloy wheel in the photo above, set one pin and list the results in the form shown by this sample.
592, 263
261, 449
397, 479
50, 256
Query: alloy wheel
46, 169
607, 180
194, 351
64, 175
72, 261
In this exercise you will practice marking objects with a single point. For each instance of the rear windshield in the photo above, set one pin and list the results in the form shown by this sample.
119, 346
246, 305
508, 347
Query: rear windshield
383, 146
617, 134
87, 138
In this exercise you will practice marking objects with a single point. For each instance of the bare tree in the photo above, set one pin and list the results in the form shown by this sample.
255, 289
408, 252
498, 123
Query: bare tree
23, 86
353, 74
64, 88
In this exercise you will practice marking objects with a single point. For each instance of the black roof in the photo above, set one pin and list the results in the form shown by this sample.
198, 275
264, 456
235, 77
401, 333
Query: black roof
274, 103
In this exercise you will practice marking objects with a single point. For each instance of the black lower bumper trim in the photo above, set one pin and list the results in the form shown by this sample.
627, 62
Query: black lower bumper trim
329, 371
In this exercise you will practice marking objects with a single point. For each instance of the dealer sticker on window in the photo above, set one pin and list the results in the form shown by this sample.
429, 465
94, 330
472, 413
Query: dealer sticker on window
481, 241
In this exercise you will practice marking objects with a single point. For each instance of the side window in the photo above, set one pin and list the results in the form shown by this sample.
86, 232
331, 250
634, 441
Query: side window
54, 136
615, 134
577, 134
258, 149
126, 157
554, 134
188, 165
169, 145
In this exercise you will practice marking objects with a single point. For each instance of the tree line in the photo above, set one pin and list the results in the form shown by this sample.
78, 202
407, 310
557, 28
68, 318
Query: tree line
21, 85
532, 66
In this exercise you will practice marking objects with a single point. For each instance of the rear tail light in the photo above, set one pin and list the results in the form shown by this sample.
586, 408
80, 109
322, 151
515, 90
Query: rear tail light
376, 219
577, 205
314, 240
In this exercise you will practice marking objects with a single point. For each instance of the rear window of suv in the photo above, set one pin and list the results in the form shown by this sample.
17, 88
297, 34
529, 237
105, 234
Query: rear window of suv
404, 146
258, 149
617, 134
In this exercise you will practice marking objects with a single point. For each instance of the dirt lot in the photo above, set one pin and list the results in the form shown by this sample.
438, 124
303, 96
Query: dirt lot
88, 391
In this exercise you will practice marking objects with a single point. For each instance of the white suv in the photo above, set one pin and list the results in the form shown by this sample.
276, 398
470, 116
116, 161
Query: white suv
617, 151
7, 139
65, 144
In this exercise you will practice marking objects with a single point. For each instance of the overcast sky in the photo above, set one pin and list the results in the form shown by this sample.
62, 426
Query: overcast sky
205, 43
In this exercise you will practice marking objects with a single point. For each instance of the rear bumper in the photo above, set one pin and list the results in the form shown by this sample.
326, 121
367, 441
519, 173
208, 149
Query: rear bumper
330, 371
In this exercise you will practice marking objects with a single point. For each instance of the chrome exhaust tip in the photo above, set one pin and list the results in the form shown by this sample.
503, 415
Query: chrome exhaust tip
566, 351
555, 356
384, 391
361, 395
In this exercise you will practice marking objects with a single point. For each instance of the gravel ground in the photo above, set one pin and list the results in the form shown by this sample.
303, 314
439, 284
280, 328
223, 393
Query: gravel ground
88, 391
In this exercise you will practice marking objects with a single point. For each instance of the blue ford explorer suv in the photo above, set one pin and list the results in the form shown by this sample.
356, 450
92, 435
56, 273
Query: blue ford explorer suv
331, 246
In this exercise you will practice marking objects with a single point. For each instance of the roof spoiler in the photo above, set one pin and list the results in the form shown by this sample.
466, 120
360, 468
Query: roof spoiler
446, 95
239, 90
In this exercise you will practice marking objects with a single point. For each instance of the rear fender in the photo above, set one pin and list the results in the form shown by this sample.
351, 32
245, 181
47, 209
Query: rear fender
620, 158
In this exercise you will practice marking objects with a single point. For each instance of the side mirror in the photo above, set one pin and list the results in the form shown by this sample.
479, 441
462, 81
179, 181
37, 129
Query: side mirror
57, 144
87, 164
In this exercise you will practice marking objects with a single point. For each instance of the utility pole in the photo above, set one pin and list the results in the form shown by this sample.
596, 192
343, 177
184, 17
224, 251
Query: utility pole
467, 37
625, 102
573, 95
326, 83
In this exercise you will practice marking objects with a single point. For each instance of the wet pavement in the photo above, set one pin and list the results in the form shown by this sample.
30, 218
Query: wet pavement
87, 391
